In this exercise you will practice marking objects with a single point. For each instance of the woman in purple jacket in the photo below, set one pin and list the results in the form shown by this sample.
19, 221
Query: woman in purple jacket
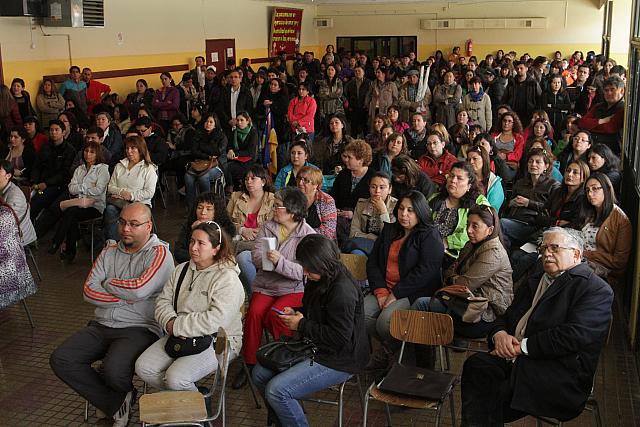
166, 101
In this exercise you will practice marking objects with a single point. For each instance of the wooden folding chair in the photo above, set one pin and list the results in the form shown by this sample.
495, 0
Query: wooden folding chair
418, 327
167, 408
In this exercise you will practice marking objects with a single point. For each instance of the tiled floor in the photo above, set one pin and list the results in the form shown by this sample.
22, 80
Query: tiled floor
30, 395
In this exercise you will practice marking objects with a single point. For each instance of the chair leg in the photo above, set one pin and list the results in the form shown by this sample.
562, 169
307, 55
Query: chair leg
33, 261
387, 411
26, 308
438, 413
340, 403
360, 393
93, 225
453, 409
366, 405
252, 386
447, 357
86, 411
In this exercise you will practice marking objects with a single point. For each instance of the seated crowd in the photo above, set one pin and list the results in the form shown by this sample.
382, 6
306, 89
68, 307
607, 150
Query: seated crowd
495, 179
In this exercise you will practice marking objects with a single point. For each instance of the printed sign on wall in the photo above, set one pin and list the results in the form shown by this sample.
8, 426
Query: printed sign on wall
286, 25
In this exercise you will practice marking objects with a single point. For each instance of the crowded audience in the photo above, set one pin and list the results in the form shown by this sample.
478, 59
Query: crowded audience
497, 179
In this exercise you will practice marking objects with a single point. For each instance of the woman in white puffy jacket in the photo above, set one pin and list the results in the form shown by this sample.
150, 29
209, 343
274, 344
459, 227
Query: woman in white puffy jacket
88, 190
133, 180
210, 296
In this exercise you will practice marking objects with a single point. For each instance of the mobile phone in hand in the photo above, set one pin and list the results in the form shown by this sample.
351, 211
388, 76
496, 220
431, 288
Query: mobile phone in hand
277, 311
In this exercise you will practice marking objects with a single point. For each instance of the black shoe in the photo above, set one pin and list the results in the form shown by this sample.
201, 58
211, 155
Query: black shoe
240, 380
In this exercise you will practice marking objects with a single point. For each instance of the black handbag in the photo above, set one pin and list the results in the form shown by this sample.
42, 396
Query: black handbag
179, 347
417, 382
281, 355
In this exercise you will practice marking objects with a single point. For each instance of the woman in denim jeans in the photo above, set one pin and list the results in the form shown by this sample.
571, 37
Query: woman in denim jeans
332, 316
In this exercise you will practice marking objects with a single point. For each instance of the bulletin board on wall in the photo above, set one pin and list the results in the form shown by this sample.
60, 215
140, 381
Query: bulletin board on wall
286, 26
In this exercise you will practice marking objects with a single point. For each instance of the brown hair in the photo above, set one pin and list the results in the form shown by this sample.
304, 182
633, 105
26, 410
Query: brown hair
96, 147
138, 142
218, 237
517, 124
545, 156
442, 129
393, 137
313, 173
361, 150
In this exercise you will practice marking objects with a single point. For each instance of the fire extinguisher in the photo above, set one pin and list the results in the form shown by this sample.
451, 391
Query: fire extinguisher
469, 47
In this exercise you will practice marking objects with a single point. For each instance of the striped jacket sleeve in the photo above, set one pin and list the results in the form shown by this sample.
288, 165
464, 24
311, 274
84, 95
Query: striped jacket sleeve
158, 269
94, 291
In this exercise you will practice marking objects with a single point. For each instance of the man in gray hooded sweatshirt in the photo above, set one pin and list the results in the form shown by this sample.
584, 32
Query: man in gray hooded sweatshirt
123, 284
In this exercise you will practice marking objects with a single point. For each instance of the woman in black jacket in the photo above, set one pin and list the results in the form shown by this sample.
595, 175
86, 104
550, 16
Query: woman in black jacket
275, 99
242, 151
555, 101
332, 317
209, 142
405, 264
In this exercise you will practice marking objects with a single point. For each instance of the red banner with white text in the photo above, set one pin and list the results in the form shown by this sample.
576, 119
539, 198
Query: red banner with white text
285, 30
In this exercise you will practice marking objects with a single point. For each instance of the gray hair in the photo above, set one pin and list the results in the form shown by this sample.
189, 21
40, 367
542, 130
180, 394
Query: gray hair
572, 237
294, 200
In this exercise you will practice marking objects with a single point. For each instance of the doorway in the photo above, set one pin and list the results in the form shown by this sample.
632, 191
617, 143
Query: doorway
378, 45
218, 51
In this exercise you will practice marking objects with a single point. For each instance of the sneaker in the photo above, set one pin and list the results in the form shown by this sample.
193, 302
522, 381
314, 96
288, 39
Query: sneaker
100, 415
121, 418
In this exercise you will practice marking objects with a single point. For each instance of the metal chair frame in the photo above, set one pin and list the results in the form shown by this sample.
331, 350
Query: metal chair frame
91, 224
340, 402
440, 337
220, 377
29, 254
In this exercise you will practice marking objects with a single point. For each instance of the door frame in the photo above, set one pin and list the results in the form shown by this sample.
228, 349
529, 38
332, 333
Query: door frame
222, 61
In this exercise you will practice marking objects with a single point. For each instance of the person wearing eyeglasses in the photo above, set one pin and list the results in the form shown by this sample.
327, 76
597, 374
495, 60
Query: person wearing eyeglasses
133, 180
158, 148
321, 208
202, 295
544, 350
578, 149
123, 284
279, 287
606, 228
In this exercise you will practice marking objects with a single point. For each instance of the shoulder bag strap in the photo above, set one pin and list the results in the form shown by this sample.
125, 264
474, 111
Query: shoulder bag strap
177, 291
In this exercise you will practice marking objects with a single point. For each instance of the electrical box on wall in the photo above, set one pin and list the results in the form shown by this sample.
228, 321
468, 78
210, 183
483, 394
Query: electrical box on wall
74, 13
22, 8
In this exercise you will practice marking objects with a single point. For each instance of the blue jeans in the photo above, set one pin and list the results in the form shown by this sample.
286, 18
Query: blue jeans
203, 184
247, 270
282, 390
110, 216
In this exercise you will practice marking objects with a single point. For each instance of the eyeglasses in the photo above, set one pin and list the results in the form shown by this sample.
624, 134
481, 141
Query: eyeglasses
278, 207
304, 180
553, 248
593, 189
124, 223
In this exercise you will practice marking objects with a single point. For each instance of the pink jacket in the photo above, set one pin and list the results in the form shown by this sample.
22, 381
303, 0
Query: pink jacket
302, 111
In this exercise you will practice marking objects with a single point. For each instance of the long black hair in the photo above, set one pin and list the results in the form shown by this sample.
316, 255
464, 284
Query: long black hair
470, 197
588, 213
420, 208
611, 161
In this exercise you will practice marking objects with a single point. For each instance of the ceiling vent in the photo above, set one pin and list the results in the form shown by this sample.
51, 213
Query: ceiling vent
75, 13
323, 23
437, 24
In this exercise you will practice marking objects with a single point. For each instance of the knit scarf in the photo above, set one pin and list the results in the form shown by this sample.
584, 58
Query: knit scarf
240, 135
477, 96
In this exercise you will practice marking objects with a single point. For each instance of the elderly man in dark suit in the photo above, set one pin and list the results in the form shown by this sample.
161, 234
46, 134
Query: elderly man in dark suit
545, 348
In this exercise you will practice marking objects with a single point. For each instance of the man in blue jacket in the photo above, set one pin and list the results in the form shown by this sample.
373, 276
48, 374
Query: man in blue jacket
545, 348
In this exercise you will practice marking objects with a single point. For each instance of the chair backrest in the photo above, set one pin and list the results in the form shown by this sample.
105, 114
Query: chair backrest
422, 327
356, 264
222, 351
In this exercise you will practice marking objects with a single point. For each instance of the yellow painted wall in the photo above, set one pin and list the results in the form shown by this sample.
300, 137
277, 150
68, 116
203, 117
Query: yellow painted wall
154, 32
571, 25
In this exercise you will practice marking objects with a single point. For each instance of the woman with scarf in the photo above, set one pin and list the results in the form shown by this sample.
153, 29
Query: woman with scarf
243, 150
446, 99
478, 105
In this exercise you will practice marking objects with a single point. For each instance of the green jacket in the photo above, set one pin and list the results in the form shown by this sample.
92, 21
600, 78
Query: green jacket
459, 237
